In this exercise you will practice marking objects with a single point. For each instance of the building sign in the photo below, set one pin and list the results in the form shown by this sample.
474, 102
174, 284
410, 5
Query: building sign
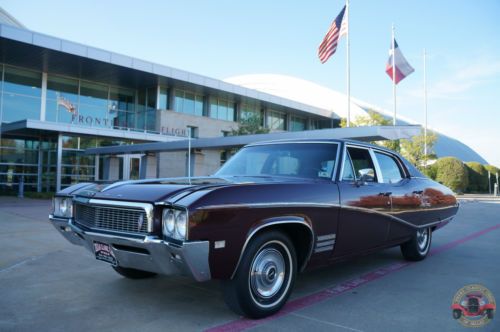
174, 131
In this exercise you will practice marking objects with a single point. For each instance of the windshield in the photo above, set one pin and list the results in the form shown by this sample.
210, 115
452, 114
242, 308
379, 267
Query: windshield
302, 160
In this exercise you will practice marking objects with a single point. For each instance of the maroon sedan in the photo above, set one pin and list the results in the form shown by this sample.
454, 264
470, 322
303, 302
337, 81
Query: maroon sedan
273, 210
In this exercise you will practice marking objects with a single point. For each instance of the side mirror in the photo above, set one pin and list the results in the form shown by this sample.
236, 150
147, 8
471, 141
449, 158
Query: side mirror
366, 175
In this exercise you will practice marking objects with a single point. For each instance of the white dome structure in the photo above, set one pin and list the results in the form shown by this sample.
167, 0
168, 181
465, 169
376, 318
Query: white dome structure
299, 90
313, 94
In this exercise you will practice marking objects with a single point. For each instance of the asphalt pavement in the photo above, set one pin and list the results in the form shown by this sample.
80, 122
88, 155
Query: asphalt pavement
47, 284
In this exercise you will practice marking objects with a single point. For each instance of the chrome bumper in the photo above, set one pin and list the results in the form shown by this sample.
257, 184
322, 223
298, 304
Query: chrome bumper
148, 253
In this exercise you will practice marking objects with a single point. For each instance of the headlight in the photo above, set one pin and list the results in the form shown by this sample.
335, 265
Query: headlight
63, 207
175, 223
181, 224
168, 222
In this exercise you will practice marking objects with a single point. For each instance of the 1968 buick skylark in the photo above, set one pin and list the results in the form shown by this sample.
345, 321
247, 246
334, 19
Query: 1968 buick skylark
273, 210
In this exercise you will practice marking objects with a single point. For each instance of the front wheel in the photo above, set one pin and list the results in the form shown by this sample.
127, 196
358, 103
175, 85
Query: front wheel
133, 273
265, 276
457, 314
418, 246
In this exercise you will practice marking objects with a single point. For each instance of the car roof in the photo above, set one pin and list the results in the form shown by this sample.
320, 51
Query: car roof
322, 140
414, 172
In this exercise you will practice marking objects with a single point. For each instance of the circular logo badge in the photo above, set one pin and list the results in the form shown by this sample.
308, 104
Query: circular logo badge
473, 306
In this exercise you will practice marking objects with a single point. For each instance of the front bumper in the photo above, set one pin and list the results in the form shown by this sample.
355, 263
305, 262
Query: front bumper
149, 253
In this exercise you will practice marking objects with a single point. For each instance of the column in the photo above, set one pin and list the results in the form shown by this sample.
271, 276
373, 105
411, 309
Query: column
44, 97
59, 162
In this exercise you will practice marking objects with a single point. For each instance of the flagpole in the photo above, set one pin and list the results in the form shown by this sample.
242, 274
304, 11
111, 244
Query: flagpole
348, 67
393, 76
425, 108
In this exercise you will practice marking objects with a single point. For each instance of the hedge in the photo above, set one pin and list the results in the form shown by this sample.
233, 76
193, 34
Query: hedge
451, 172
478, 177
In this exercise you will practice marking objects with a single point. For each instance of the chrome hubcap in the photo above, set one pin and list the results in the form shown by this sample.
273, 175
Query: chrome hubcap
267, 273
422, 238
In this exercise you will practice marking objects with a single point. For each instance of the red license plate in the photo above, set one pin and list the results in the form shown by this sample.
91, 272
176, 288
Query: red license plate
103, 252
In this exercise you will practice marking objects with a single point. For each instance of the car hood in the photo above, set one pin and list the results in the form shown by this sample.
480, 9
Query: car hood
170, 189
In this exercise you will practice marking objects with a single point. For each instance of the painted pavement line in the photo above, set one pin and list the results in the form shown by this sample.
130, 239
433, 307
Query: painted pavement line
242, 324
325, 322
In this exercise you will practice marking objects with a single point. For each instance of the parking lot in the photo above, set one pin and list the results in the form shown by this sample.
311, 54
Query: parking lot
47, 284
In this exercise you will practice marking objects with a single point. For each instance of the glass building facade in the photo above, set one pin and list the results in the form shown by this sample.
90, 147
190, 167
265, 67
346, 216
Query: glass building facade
45, 160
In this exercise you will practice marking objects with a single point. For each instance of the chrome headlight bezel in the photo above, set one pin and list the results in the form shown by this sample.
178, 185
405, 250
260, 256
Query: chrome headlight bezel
180, 223
62, 207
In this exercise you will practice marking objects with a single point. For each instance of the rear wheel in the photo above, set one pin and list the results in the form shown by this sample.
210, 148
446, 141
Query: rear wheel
265, 276
457, 314
418, 246
133, 273
490, 314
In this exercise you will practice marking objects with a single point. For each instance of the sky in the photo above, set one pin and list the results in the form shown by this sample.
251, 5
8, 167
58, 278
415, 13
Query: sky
226, 38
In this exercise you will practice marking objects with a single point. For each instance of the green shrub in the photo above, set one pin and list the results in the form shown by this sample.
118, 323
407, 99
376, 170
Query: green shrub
478, 177
429, 170
451, 172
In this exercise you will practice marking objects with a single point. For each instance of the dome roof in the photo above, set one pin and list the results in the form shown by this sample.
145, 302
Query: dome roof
299, 90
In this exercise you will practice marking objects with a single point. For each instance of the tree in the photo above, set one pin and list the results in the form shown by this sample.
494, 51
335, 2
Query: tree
413, 149
451, 172
373, 118
249, 126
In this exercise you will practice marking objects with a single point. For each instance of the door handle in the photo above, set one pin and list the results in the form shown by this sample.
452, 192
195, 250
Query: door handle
418, 192
385, 194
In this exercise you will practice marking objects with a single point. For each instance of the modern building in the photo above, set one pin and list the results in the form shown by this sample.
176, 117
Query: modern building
59, 98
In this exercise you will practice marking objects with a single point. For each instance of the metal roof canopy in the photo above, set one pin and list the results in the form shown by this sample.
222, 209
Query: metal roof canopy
373, 133
25, 48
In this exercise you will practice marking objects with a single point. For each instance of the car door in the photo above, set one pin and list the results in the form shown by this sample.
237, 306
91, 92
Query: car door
365, 203
406, 202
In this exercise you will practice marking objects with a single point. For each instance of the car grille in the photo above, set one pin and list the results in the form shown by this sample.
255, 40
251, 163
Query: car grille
118, 219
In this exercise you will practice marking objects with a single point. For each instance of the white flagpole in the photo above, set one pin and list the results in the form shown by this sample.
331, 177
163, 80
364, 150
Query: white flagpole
189, 155
393, 76
425, 108
348, 65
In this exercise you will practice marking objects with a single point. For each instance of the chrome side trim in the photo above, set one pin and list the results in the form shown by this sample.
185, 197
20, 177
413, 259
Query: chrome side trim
326, 237
148, 208
273, 223
404, 222
325, 243
322, 249
265, 205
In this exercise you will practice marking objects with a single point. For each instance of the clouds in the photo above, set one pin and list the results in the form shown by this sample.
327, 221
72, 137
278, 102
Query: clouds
460, 79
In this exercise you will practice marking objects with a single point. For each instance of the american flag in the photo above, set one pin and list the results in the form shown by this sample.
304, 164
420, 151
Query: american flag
66, 104
338, 29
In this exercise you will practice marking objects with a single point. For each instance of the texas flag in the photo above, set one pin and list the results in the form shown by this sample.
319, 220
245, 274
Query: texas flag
403, 68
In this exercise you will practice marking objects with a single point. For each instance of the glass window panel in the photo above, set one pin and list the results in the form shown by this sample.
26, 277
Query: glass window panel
151, 120
22, 82
188, 103
94, 94
163, 98
179, 101
198, 106
297, 123
121, 99
62, 87
152, 97
17, 107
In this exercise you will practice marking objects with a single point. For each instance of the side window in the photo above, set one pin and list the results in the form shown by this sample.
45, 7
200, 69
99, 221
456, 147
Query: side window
362, 164
391, 171
348, 173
